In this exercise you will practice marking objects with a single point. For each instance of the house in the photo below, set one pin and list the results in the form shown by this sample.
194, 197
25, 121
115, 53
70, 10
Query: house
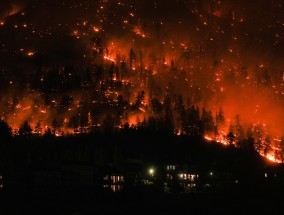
180, 178
114, 181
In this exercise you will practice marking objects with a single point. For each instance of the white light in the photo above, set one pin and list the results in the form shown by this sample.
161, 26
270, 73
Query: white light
151, 171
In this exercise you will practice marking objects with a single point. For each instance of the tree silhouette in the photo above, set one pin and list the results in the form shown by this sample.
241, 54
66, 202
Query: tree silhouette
248, 144
258, 134
156, 106
25, 130
140, 100
5, 131
5, 139
181, 113
220, 119
231, 138
65, 103
267, 145
38, 128
120, 105
239, 131
169, 118
281, 145
132, 57
108, 123
73, 122
207, 121
55, 126
193, 121
48, 133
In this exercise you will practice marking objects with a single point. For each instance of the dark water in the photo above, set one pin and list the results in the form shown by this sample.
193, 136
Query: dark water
88, 201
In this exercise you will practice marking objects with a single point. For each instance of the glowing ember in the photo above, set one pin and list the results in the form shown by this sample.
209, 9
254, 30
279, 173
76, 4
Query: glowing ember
203, 58
109, 59
96, 29
30, 54
138, 31
271, 158
208, 138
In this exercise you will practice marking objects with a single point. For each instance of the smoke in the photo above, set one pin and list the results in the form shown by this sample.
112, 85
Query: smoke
214, 55
253, 105
10, 8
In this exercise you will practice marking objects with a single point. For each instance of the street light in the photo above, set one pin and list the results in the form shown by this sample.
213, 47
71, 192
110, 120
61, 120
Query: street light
151, 172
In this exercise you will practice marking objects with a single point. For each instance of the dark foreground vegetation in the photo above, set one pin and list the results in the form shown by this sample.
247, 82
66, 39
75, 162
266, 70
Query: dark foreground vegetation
154, 174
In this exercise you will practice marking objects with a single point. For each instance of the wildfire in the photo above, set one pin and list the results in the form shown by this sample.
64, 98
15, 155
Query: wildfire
208, 138
27, 108
220, 138
138, 31
30, 54
96, 29
151, 65
14, 10
109, 59
271, 157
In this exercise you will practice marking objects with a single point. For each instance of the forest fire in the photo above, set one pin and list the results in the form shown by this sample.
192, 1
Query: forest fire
109, 59
30, 54
96, 29
187, 78
137, 30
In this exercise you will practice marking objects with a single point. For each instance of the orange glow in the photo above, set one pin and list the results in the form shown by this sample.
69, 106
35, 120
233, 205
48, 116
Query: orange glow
208, 138
134, 119
30, 54
178, 132
75, 33
14, 10
96, 29
203, 77
109, 59
217, 13
271, 158
138, 31
222, 138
